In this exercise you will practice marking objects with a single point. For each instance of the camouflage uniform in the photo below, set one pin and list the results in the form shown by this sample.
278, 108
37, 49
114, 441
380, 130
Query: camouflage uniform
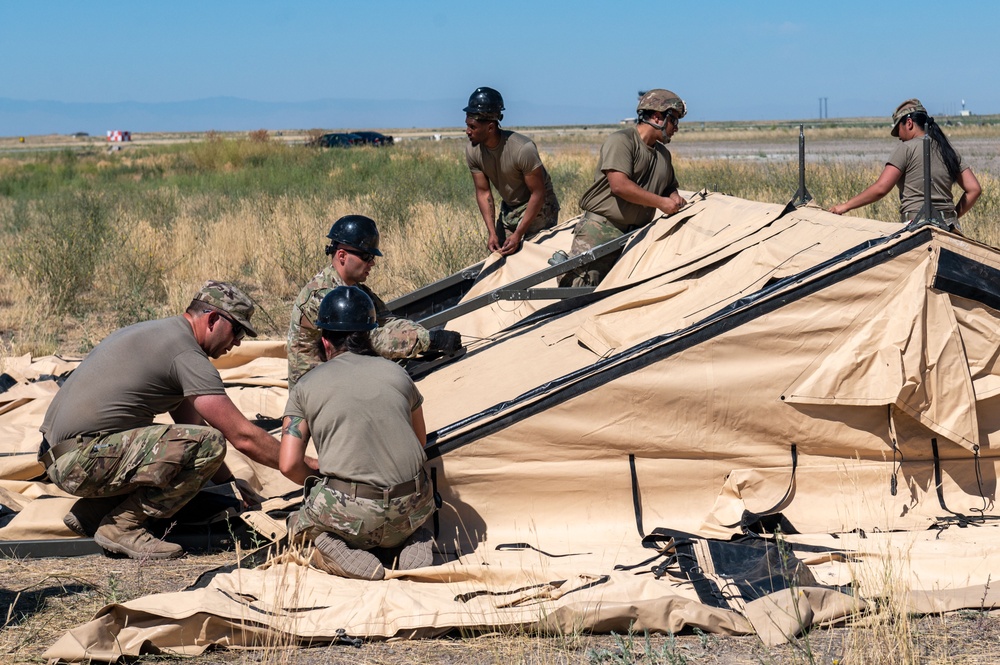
164, 465
394, 338
509, 218
107, 405
589, 233
363, 523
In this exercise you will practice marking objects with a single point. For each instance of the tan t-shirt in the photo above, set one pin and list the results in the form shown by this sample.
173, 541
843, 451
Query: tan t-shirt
358, 409
908, 157
132, 376
506, 165
647, 166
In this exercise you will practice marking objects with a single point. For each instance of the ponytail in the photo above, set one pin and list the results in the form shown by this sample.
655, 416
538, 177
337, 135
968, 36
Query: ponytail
948, 154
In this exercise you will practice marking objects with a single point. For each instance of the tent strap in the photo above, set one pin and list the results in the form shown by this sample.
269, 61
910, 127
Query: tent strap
749, 518
963, 520
897, 454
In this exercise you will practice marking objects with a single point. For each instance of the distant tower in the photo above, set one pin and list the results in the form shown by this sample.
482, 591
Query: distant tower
965, 112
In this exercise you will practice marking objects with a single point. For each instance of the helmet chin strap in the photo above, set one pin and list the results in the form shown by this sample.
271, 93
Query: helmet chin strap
662, 128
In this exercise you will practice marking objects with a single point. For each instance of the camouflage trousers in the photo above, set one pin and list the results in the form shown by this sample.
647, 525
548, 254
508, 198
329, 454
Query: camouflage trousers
362, 523
509, 218
590, 232
164, 465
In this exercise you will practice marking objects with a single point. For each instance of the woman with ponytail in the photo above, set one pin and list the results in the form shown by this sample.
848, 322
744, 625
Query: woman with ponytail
905, 169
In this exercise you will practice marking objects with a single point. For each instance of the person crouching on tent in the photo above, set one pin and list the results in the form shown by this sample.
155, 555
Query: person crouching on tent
905, 169
372, 497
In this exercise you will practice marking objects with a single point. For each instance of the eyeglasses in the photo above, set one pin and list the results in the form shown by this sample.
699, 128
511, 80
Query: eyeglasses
367, 257
239, 330
672, 118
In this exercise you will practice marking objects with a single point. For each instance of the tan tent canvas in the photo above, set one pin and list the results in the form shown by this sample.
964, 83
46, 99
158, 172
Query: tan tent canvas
625, 458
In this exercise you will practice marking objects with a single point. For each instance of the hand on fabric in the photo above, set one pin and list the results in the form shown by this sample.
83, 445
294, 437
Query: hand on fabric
670, 206
493, 244
511, 245
446, 341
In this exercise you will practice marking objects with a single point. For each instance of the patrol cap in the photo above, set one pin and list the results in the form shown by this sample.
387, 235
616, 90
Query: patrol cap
661, 100
230, 299
905, 109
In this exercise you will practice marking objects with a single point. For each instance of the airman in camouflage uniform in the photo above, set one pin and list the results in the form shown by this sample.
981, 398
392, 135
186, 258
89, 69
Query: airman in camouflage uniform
634, 178
510, 163
100, 442
353, 249
371, 495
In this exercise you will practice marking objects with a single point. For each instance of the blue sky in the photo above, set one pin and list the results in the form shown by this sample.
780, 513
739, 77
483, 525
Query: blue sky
554, 62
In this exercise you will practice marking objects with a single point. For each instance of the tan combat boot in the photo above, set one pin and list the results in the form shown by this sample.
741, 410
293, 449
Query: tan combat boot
418, 550
122, 531
86, 514
334, 556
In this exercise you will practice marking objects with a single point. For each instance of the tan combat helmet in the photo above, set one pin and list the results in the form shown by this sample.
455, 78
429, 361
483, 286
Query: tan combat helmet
662, 100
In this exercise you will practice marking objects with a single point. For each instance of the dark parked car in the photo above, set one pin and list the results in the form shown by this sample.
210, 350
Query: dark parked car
338, 140
374, 138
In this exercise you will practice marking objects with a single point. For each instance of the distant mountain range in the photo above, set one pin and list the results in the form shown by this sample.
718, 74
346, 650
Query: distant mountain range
26, 118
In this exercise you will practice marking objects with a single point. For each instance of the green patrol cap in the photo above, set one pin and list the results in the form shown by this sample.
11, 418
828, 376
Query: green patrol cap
905, 109
229, 299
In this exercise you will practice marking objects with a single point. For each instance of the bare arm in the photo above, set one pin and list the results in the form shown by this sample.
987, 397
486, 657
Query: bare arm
623, 187
536, 185
484, 199
294, 438
419, 428
220, 412
968, 182
883, 185
186, 414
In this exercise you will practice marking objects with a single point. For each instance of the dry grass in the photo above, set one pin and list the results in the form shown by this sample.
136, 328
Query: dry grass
125, 258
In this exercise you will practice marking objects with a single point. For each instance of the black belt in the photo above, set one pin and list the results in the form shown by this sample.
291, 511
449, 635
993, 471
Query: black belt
364, 491
48, 455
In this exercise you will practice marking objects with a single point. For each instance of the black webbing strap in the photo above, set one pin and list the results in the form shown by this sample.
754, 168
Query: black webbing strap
897, 454
961, 520
556, 584
438, 502
525, 546
636, 498
749, 518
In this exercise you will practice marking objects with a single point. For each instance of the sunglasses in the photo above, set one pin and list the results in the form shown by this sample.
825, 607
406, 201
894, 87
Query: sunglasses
239, 331
367, 257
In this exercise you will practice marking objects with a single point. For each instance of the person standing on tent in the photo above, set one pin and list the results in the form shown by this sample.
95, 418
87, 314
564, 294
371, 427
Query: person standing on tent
365, 415
100, 442
635, 178
353, 248
510, 163
905, 170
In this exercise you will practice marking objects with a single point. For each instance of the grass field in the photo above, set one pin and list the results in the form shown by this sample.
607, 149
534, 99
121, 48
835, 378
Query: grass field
93, 240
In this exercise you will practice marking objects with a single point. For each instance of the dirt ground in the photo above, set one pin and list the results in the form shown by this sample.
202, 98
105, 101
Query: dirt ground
43, 598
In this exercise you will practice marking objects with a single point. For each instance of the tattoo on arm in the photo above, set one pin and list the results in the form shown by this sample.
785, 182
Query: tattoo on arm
293, 426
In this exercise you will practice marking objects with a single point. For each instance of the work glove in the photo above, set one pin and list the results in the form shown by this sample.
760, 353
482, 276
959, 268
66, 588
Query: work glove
445, 341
